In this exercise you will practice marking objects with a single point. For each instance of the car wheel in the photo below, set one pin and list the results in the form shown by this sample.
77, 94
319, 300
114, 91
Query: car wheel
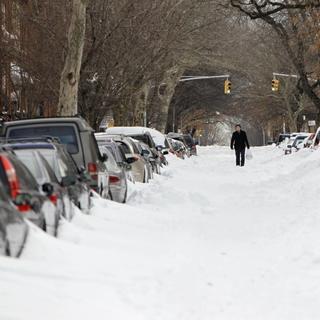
7, 252
125, 197
3, 247
44, 226
146, 176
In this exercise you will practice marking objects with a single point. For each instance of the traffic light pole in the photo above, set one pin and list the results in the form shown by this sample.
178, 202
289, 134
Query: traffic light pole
285, 75
192, 78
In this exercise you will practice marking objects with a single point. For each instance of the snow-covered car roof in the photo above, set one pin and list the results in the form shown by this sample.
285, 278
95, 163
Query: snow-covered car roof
157, 136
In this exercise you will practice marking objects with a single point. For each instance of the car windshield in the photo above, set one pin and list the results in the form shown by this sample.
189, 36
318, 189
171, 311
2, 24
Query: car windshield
141, 137
66, 134
299, 139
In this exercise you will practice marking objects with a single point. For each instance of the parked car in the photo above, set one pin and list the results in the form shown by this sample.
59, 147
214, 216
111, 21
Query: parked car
309, 141
294, 142
13, 228
142, 134
73, 132
30, 199
179, 148
117, 177
180, 137
299, 141
282, 137
316, 140
44, 176
146, 154
117, 153
161, 143
74, 182
132, 156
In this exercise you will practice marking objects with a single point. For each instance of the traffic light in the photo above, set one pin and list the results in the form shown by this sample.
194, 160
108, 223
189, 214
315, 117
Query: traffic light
227, 87
275, 85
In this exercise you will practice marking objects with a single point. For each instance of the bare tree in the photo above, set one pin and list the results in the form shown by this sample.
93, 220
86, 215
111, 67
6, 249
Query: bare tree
69, 82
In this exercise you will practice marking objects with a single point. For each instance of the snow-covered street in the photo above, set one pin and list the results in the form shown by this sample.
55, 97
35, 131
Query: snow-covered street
204, 241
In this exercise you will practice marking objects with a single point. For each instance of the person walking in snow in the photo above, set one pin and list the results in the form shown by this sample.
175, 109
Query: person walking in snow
239, 142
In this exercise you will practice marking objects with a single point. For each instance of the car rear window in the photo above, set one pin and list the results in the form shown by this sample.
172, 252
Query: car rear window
58, 165
65, 133
30, 161
26, 179
111, 163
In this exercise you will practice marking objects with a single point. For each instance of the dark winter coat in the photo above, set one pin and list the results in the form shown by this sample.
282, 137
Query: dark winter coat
239, 140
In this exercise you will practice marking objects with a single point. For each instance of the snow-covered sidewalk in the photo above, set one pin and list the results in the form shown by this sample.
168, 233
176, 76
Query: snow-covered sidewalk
204, 241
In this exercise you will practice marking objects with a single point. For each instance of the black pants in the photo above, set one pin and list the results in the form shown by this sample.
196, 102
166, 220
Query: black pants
240, 157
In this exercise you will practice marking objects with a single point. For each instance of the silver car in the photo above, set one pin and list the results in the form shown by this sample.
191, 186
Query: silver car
132, 155
117, 177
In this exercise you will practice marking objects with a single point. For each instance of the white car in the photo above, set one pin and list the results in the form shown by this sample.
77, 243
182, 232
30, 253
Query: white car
316, 140
296, 142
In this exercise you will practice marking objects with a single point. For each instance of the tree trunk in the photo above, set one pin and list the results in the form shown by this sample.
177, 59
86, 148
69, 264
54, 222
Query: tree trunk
165, 97
69, 81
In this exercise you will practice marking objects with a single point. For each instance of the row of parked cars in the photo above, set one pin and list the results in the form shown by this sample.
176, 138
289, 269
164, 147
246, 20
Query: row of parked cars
50, 166
292, 142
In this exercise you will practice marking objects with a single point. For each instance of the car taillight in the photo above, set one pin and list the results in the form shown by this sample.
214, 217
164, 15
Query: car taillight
54, 199
93, 170
24, 207
114, 179
11, 175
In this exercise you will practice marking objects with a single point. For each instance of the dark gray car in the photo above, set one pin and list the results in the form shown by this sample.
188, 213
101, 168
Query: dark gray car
73, 132
75, 184
28, 196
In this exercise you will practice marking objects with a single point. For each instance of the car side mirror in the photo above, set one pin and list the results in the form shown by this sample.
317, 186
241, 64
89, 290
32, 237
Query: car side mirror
68, 181
104, 157
165, 152
131, 159
81, 169
85, 177
22, 198
48, 189
145, 152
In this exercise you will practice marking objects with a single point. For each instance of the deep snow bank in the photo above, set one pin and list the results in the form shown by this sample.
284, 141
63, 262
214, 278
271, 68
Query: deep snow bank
205, 240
